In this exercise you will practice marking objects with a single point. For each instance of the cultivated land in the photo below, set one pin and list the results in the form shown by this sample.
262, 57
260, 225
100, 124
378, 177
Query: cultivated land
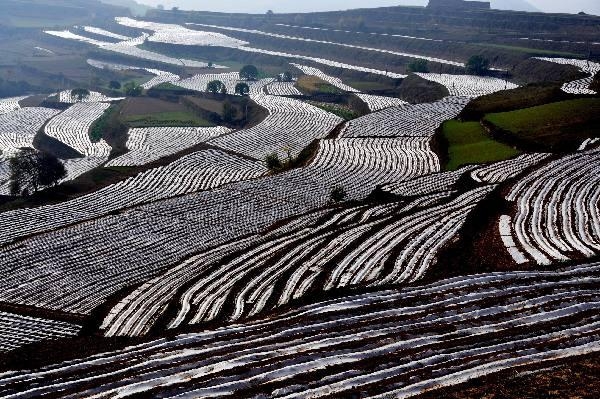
469, 143
559, 126
333, 225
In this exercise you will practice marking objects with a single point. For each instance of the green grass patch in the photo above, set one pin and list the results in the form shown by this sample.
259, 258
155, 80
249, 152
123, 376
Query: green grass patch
340, 111
512, 100
469, 143
170, 87
368, 86
176, 118
559, 126
100, 125
312, 85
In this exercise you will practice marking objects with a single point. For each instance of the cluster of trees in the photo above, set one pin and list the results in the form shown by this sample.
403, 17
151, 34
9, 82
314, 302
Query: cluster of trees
31, 170
249, 72
477, 65
218, 87
80, 94
132, 89
419, 65
337, 194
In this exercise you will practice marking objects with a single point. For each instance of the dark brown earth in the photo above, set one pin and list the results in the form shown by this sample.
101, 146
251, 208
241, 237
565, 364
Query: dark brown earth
573, 378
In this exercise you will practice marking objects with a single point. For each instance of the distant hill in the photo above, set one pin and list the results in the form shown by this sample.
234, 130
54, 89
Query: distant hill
136, 8
260, 6
54, 13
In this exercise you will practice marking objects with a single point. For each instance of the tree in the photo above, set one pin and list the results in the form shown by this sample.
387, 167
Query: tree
31, 170
596, 83
160, 7
229, 112
477, 65
80, 94
132, 89
270, 14
338, 194
242, 89
175, 9
215, 86
419, 66
249, 72
113, 84
273, 162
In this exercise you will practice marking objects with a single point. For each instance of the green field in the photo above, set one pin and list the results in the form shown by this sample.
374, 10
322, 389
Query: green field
176, 118
341, 111
512, 100
312, 85
559, 126
468, 143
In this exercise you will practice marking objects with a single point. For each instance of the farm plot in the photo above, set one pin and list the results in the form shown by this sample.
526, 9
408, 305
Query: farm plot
581, 86
407, 120
375, 103
103, 32
74, 269
399, 343
10, 104
357, 33
112, 252
201, 170
428, 184
147, 145
363, 246
128, 47
279, 36
4, 175
17, 330
356, 164
290, 126
177, 34
109, 65
159, 78
323, 61
557, 215
66, 34
375, 160
502, 171
283, 89
468, 85
66, 96
72, 126
18, 128
200, 82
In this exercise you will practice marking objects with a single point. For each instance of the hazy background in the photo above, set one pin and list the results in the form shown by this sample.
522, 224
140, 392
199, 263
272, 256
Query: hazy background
261, 6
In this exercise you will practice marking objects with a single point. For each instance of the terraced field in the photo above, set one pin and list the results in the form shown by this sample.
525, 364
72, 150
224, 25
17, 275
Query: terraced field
298, 254
400, 343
